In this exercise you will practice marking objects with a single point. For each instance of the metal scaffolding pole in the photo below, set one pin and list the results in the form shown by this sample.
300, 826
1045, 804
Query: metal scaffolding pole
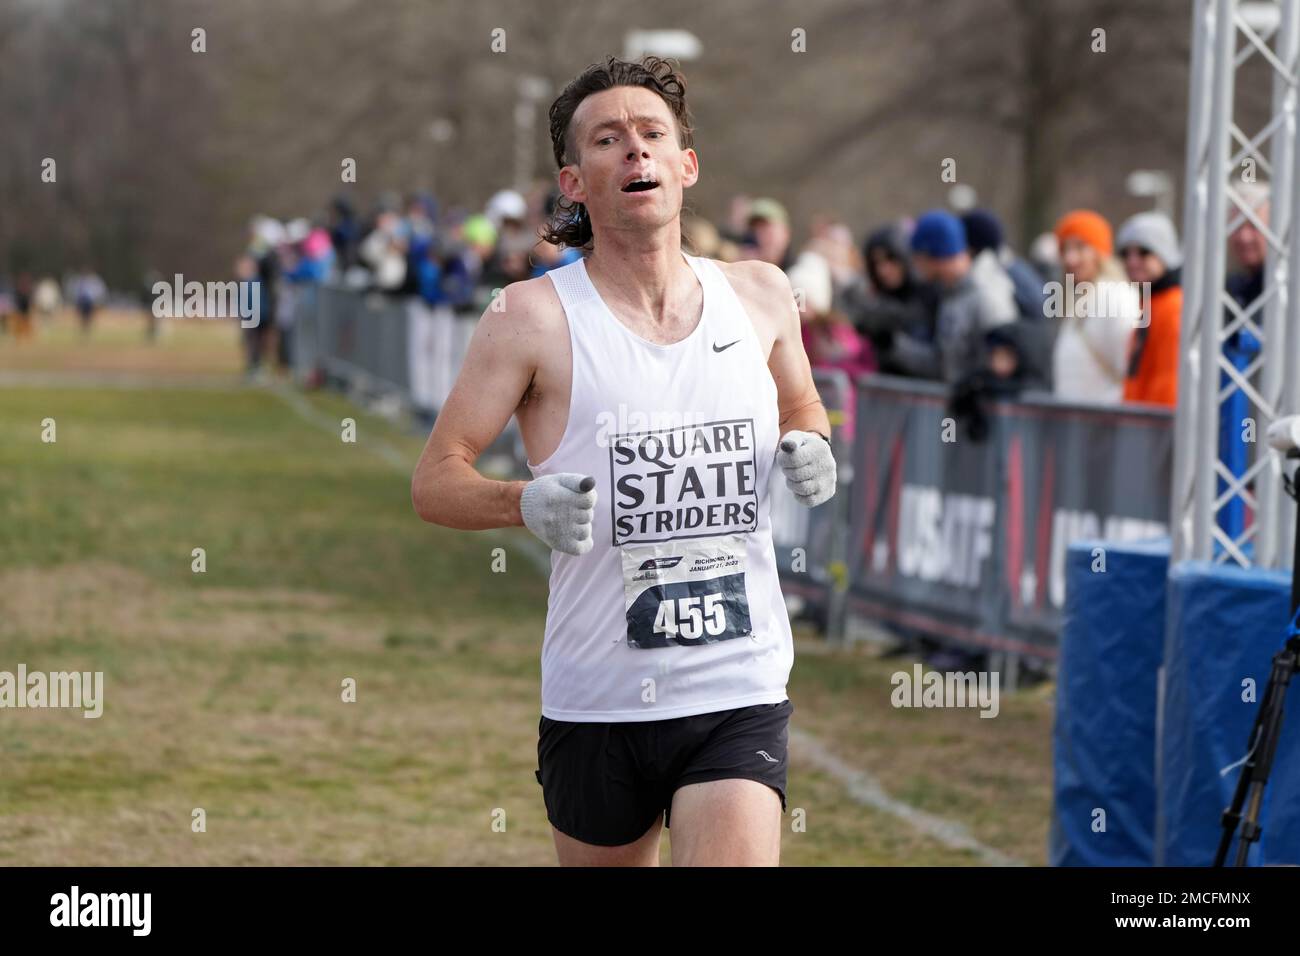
1189, 366
1211, 277
1213, 480
1268, 489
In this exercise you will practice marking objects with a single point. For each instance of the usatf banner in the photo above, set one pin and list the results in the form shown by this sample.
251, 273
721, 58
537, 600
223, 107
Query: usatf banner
965, 540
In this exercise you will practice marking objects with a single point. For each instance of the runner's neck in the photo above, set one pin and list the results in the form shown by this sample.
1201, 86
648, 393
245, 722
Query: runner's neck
658, 284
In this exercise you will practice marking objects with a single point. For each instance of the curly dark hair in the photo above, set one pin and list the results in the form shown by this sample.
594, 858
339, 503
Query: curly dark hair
569, 224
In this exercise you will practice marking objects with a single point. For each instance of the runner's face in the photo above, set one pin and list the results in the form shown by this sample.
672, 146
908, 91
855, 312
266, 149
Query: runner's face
624, 133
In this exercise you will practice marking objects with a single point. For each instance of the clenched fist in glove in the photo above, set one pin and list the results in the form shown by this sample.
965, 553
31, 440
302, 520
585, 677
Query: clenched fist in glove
809, 466
559, 509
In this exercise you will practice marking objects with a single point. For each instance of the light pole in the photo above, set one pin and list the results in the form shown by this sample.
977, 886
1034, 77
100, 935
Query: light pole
679, 44
1154, 184
531, 90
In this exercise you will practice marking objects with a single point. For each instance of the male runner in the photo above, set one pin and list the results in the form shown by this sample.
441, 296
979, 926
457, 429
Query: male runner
654, 392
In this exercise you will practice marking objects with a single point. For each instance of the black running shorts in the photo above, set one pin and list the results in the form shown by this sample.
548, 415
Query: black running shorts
606, 783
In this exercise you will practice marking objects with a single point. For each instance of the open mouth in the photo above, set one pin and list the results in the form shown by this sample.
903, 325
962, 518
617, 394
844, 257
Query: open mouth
640, 185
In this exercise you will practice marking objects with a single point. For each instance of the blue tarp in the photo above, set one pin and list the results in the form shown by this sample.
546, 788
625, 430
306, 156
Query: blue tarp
1104, 736
1224, 625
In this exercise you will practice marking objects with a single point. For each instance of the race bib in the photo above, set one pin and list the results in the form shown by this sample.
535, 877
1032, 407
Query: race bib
686, 591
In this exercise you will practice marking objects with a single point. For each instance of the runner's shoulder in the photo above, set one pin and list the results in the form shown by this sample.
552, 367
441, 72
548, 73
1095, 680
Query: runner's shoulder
756, 279
527, 308
762, 287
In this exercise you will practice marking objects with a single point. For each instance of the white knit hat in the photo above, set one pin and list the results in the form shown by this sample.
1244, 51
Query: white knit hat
1154, 231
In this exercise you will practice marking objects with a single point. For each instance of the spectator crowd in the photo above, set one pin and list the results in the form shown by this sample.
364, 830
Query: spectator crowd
411, 248
1089, 314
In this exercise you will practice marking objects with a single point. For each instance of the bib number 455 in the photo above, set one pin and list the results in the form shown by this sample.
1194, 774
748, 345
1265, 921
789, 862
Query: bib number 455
693, 613
691, 617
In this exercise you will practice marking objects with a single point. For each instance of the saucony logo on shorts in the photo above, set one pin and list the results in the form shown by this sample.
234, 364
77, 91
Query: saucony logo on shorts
766, 756
723, 348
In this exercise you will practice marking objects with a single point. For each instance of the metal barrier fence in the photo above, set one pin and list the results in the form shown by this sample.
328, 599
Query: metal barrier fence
395, 346
930, 531
383, 342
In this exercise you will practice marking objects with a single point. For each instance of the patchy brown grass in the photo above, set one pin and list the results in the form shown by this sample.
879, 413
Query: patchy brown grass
187, 350
223, 690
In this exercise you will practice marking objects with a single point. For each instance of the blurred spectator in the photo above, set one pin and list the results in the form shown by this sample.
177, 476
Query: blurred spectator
768, 236
261, 264
416, 232
1017, 354
1248, 247
462, 262
1045, 257
833, 241
507, 210
306, 260
1148, 247
384, 252
701, 238
828, 337
88, 293
992, 256
888, 299
344, 233
255, 337
963, 319
1098, 309
479, 234
1013, 365
996, 290
22, 314
46, 298
736, 229
508, 260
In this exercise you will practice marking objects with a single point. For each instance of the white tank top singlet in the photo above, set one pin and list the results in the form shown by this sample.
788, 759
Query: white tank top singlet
676, 609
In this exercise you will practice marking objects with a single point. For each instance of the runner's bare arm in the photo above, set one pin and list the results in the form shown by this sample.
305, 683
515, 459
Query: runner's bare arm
446, 489
768, 296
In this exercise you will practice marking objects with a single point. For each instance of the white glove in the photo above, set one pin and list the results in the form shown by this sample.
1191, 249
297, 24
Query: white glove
559, 510
809, 466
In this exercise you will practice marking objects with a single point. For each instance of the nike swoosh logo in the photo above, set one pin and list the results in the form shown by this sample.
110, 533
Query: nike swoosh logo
723, 348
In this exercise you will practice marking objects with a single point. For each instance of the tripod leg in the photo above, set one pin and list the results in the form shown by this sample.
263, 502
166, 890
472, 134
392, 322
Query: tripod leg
1259, 762
1250, 829
1232, 815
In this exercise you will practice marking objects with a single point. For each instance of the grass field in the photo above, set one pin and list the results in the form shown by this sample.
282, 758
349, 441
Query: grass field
223, 688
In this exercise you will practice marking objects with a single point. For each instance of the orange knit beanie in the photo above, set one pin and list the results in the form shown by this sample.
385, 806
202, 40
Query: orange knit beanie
1086, 226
